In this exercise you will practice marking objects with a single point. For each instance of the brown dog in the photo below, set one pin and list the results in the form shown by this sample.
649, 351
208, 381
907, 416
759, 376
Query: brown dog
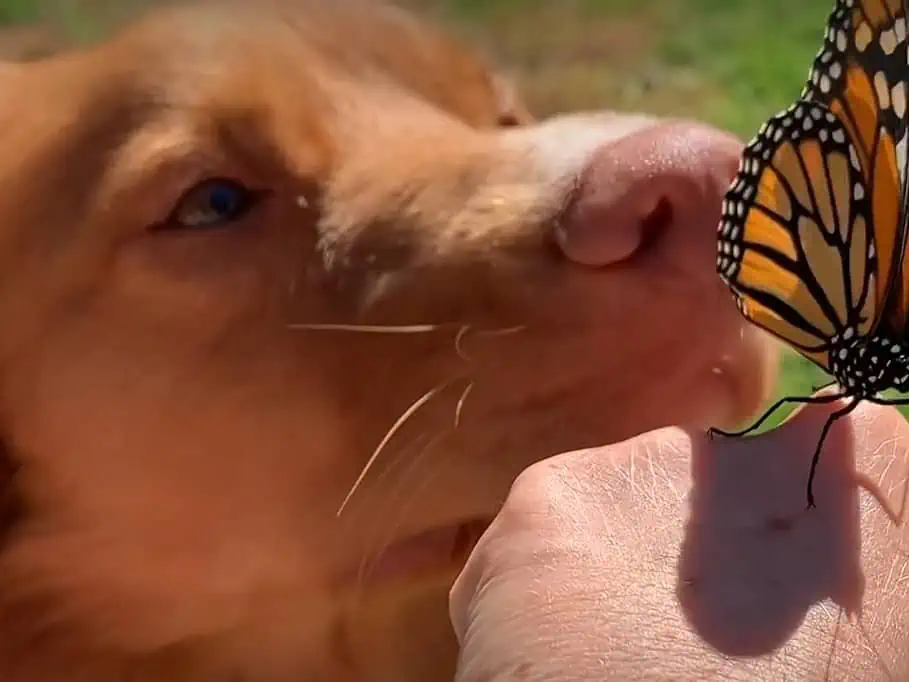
251, 251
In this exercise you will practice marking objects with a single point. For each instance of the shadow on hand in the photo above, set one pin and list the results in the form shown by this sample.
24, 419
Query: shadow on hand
754, 560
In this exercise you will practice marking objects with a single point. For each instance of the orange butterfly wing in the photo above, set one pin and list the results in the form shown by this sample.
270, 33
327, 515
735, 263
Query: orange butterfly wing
795, 243
860, 73
813, 229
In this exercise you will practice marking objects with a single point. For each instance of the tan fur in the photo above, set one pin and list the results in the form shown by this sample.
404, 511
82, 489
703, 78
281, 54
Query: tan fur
181, 412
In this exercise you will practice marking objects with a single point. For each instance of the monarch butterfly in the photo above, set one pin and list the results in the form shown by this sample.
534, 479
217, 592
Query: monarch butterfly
814, 226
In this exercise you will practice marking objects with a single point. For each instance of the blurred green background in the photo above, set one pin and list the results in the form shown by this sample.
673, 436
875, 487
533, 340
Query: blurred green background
729, 62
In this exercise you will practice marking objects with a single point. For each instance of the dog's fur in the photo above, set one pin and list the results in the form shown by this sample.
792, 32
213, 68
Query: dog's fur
183, 412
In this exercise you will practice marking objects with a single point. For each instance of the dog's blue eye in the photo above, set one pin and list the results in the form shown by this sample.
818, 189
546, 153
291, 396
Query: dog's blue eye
213, 203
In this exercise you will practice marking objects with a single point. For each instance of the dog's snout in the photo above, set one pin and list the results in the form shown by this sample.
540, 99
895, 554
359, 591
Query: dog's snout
664, 179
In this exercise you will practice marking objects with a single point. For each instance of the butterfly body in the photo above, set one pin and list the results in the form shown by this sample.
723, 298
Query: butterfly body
814, 226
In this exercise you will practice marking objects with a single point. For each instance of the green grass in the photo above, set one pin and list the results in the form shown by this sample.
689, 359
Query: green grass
729, 62
18, 11
756, 54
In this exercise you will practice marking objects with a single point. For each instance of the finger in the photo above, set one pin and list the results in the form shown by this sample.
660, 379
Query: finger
780, 459
881, 436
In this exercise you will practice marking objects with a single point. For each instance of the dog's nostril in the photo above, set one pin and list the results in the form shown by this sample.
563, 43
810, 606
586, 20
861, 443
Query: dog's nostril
638, 189
602, 227
655, 225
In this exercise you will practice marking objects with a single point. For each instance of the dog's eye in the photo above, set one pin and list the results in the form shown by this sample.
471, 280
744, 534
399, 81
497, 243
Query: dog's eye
212, 203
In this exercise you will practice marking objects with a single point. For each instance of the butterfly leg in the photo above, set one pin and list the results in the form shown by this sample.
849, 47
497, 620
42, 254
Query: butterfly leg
898, 402
823, 386
804, 400
842, 412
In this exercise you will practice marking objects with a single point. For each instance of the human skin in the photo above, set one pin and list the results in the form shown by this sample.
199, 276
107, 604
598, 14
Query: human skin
671, 556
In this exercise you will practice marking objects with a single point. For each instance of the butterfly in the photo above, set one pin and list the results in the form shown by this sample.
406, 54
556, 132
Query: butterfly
814, 225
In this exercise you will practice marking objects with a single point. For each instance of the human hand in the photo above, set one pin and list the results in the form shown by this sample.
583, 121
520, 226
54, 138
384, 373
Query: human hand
671, 556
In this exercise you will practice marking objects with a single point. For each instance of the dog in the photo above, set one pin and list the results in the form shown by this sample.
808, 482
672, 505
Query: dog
291, 292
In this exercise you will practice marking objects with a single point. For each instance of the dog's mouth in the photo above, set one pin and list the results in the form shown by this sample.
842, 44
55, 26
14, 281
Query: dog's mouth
434, 551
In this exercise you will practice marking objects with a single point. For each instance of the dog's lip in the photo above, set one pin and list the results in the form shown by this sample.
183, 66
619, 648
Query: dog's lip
435, 550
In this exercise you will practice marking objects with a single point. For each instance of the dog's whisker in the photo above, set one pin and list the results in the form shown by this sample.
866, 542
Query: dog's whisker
352, 522
394, 458
376, 555
460, 406
408, 413
457, 343
405, 493
368, 328
502, 331
373, 548
401, 329
367, 565
378, 517
402, 457
464, 330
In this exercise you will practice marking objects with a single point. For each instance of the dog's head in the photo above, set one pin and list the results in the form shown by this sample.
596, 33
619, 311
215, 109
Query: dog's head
283, 285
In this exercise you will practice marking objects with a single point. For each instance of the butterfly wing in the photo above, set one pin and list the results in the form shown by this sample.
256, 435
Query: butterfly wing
813, 230
795, 242
860, 73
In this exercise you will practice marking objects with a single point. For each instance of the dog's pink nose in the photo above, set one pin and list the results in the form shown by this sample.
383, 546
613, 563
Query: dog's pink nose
667, 178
